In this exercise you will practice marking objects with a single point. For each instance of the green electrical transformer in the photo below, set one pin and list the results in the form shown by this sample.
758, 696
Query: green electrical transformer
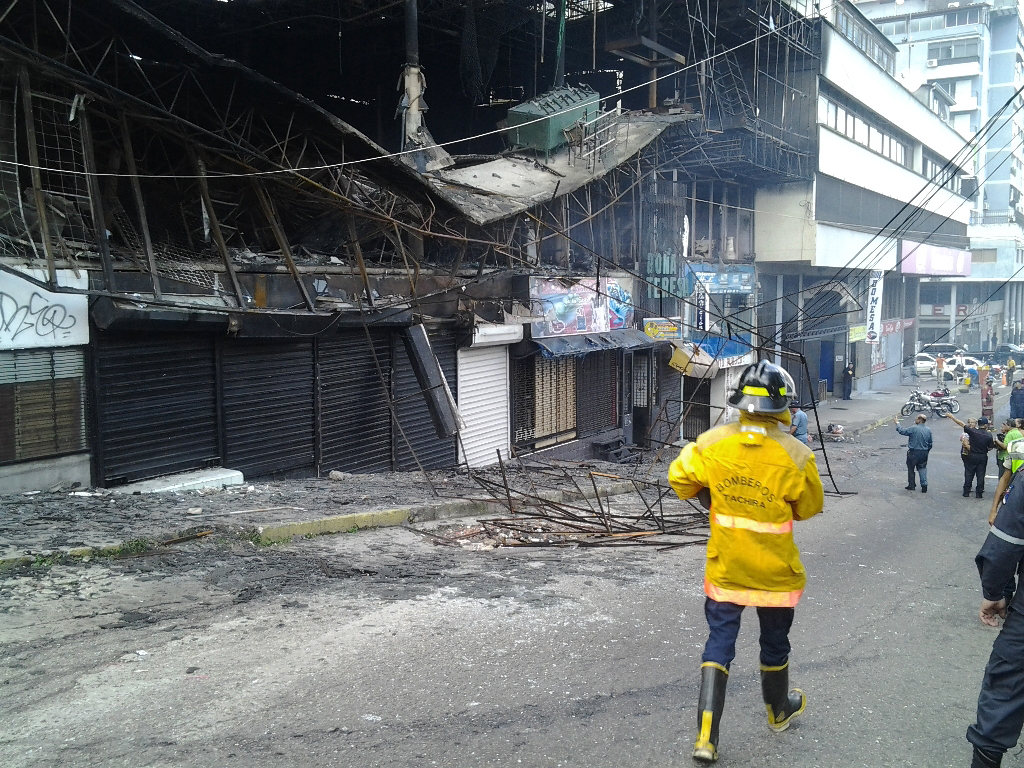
557, 109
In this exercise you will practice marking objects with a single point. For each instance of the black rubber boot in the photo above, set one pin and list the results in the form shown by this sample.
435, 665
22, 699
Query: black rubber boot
986, 759
713, 678
782, 704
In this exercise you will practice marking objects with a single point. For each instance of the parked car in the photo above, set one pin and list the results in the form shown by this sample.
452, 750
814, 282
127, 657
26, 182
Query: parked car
1003, 352
924, 364
940, 348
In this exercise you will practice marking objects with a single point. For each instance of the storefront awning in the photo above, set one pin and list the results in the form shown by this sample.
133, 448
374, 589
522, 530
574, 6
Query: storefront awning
585, 343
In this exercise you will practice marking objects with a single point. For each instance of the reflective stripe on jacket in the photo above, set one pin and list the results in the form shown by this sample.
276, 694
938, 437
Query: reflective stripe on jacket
760, 480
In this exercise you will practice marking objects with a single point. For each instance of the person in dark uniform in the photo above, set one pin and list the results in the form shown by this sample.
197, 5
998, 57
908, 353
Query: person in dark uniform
848, 375
1001, 701
976, 460
1017, 401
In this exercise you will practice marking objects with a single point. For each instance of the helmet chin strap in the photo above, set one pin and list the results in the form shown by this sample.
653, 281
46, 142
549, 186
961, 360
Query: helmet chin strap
754, 416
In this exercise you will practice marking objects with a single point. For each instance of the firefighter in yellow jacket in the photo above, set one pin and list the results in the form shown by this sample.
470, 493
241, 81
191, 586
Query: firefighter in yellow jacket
759, 480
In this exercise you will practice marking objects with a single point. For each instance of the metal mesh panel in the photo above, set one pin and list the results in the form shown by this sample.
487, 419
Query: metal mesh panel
543, 400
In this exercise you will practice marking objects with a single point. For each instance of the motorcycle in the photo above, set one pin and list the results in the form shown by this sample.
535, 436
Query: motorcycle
949, 397
919, 401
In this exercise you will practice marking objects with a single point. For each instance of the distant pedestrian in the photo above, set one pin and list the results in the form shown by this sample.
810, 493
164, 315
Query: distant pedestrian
919, 443
979, 443
798, 429
1000, 714
848, 375
1017, 401
994, 341
1011, 368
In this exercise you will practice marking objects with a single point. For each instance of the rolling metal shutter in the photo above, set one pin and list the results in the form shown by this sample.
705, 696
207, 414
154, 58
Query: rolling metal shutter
597, 393
483, 404
355, 421
696, 406
267, 391
42, 409
156, 406
411, 407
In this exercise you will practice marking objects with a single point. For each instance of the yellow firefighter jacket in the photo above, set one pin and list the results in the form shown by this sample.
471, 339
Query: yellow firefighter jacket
761, 480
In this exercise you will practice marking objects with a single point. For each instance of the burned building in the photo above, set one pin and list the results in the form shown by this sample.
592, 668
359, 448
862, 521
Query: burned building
228, 241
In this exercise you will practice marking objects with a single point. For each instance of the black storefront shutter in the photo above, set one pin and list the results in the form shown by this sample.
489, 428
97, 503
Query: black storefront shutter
597, 392
411, 407
355, 421
268, 398
156, 406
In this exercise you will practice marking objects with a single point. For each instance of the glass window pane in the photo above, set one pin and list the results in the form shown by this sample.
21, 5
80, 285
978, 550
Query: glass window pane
875, 140
860, 132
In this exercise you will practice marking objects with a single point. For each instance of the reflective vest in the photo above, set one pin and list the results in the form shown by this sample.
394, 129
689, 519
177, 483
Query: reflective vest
760, 480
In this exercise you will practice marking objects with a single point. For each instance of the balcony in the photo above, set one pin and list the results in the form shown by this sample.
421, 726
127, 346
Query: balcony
1010, 216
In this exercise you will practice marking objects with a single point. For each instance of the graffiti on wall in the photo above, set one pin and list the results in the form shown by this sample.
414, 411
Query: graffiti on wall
32, 317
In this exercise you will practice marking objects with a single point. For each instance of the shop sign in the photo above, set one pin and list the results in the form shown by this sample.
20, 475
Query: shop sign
925, 259
874, 324
566, 308
858, 333
719, 280
32, 317
897, 326
663, 328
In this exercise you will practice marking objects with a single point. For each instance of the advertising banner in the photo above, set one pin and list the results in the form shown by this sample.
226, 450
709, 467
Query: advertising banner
721, 280
874, 323
858, 333
565, 308
31, 317
925, 259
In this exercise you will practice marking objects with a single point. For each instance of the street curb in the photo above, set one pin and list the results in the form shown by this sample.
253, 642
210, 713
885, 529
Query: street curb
282, 532
875, 425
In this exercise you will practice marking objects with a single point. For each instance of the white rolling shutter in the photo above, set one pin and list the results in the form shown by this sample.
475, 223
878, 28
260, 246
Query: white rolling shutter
483, 403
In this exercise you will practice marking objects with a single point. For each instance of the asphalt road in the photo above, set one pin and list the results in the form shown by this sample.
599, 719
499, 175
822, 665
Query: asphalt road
382, 649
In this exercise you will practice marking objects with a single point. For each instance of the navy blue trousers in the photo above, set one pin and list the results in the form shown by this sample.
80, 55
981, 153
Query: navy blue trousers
1001, 702
724, 623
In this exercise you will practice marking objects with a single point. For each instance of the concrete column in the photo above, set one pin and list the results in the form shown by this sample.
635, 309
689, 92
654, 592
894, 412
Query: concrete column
1008, 298
1014, 313
778, 320
952, 314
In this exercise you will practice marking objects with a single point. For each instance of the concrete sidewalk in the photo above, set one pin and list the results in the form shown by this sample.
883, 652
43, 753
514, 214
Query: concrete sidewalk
101, 523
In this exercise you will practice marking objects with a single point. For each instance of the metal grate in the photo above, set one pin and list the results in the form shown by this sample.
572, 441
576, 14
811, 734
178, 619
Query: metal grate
543, 401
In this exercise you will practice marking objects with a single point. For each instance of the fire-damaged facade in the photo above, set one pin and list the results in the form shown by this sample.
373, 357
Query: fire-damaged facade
207, 261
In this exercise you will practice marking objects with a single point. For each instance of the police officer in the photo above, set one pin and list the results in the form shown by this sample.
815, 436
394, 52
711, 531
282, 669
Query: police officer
755, 479
1001, 701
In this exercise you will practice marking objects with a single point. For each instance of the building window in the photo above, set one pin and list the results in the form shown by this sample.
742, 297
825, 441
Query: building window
864, 38
984, 255
963, 18
940, 173
865, 128
952, 51
935, 293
